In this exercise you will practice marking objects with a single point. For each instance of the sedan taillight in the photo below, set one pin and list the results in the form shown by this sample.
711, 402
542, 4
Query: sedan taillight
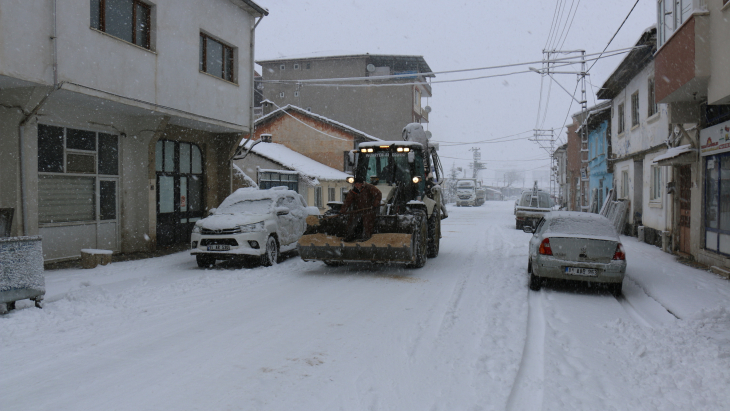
545, 247
619, 254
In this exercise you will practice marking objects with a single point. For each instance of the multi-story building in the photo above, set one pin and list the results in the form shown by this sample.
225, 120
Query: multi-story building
394, 98
639, 134
118, 120
693, 80
600, 173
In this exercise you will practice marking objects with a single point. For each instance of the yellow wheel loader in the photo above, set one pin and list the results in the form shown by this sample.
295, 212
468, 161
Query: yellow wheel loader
408, 222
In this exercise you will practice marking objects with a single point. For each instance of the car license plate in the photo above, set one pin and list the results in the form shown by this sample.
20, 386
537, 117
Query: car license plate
581, 271
219, 247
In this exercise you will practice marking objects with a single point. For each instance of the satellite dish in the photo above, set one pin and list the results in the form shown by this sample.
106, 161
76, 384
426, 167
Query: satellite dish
427, 109
428, 134
370, 68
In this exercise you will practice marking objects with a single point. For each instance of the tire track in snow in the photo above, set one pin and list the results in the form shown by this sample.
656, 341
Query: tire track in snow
527, 390
642, 307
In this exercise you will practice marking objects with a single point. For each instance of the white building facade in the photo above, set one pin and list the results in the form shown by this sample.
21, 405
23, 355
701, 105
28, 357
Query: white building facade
639, 133
119, 119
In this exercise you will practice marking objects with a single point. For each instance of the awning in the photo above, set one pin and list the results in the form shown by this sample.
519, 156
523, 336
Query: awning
676, 156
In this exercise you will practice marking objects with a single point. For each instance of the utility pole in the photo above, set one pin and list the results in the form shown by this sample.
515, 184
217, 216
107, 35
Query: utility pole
542, 136
477, 165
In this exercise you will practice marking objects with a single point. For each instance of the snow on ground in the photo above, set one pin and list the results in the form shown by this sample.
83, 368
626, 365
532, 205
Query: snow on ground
463, 332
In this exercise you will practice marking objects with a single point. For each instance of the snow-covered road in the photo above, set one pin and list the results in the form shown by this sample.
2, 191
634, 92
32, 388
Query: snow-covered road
462, 333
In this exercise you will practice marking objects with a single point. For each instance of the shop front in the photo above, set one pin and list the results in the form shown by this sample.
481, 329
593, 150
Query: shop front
715, 151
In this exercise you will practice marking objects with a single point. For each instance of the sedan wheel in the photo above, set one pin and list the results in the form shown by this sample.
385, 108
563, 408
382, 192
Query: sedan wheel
271, 256
534, 280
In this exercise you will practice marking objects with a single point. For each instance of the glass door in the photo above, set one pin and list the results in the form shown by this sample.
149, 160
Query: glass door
179, 168
107, 222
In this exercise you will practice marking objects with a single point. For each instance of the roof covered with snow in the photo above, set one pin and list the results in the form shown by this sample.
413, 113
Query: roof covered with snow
282, 111
674, 152
631, 65
292, 160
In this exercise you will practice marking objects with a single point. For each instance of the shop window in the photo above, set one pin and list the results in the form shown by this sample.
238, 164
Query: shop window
129, 20
717, 203
71, 163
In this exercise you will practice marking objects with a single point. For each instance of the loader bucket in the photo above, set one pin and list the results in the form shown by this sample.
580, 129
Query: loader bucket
387, 247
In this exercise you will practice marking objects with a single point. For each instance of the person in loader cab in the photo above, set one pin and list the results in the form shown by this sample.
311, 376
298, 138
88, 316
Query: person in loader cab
361, 204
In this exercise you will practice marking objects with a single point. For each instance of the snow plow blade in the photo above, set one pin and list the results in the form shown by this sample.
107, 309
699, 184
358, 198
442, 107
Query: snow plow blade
389, 247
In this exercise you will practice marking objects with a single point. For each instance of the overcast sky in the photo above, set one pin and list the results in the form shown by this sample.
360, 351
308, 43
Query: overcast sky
454, 35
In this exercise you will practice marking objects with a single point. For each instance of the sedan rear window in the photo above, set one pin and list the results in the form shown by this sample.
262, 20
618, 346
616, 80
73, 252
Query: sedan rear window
582, 226
246, 207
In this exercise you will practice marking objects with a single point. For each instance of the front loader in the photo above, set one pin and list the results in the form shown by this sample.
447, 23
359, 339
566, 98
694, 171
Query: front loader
408, 222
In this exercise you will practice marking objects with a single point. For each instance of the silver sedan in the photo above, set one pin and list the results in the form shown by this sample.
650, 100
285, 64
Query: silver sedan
570, 245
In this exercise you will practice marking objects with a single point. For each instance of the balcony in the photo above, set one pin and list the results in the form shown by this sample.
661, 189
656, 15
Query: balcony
682, 64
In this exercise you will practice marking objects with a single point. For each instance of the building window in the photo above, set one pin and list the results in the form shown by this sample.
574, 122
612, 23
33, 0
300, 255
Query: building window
282, 66
73, 166
330, 194
717, 203
343, 193
216, 58
651, 101
347, 166
268, 179
282, 94
656, 183
296, 66
621, 119
625, 184
309, 66
318, 197
296, 94
635, 109
128, 20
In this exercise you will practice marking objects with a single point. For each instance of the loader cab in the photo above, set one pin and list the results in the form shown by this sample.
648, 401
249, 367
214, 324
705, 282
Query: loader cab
394, 165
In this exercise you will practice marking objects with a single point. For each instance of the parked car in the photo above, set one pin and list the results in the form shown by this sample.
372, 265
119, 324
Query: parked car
570, 245
251, 223
532, 206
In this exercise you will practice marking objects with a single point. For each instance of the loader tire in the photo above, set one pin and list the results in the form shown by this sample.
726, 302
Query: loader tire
420, 241
434, 233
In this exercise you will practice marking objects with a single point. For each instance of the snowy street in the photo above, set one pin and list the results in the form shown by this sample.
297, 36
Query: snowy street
462, 333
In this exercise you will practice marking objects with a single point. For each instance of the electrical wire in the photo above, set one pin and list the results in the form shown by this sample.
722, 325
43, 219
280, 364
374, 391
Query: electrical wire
563, 60
614, 34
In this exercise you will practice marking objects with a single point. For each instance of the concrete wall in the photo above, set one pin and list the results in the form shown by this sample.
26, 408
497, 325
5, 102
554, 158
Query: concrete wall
379, 111
167, 74
719, 85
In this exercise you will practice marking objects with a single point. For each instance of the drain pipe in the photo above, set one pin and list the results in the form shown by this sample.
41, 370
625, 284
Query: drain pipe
26, 119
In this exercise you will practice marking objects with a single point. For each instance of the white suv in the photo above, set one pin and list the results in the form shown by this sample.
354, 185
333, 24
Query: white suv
251, 223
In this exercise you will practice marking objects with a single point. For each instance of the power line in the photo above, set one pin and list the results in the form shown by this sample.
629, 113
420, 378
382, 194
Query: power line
563, 60
614, 34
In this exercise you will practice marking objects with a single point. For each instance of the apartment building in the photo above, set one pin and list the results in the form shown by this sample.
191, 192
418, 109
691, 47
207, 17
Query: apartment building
119, 119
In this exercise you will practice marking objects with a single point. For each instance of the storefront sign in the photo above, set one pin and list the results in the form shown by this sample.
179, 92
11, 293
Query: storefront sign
715, 139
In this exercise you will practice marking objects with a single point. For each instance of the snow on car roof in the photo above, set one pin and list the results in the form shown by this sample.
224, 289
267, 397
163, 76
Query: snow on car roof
578, 224
390, 143
298, 162
251, 193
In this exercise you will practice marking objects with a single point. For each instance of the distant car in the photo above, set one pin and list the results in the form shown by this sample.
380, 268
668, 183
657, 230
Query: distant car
571, 245
251, 223
529, 209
